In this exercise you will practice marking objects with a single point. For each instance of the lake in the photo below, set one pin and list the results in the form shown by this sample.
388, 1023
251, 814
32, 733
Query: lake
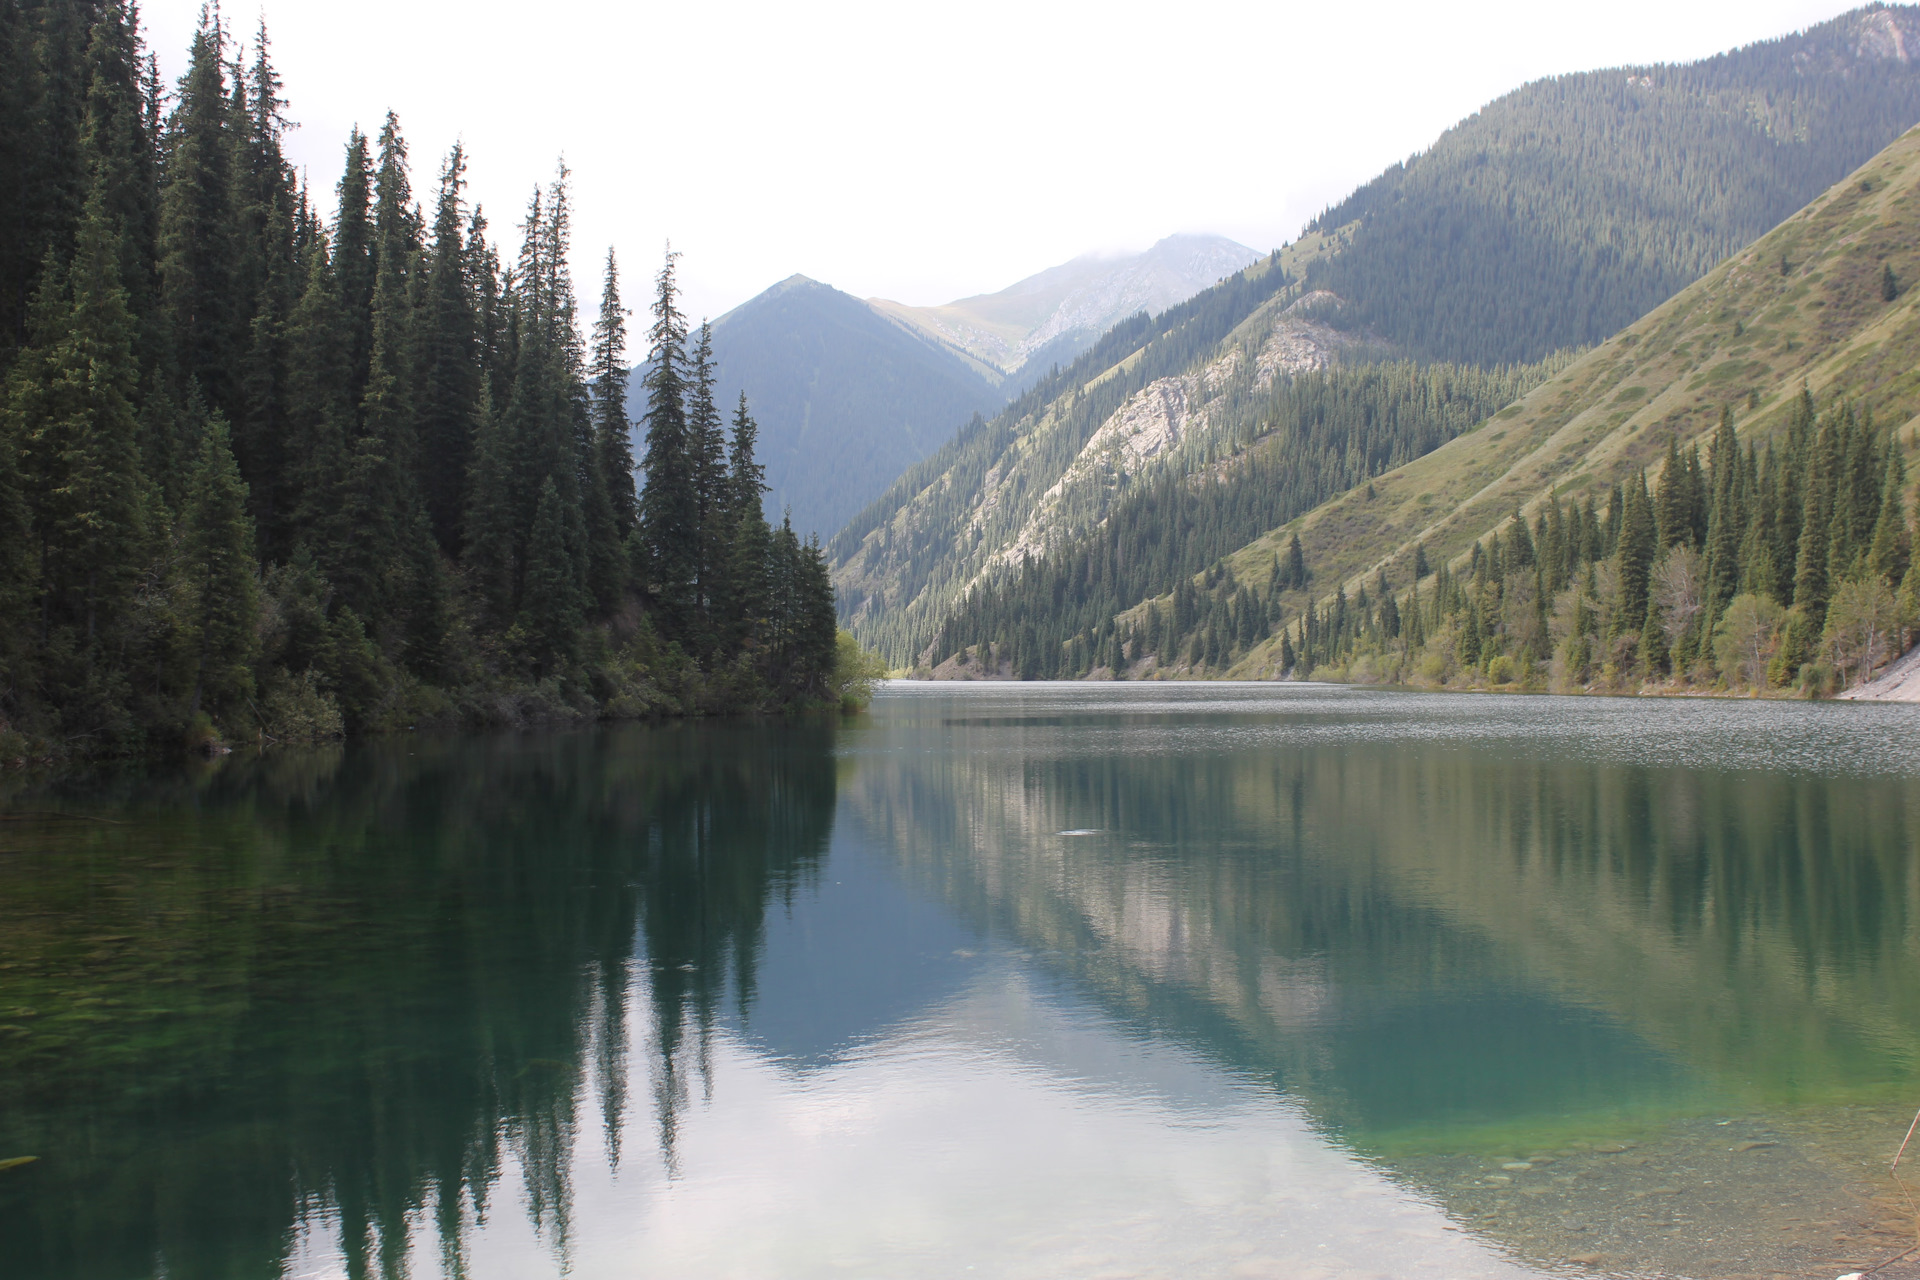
1006, 980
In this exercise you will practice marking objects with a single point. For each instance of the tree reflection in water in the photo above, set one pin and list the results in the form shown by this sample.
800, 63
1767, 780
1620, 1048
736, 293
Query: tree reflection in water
354, 983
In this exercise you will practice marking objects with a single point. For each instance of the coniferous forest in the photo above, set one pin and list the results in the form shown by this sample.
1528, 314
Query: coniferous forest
1315, 435
1789, 566
1567, 209
269, 474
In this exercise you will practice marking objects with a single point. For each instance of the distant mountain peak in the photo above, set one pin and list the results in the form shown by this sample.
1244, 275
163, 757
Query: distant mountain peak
1053, 315
849, 393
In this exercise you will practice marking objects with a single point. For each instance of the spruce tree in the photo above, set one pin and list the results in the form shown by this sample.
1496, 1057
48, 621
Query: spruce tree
266, 282
1725, 523
353, 260
446, 365
1293, 571
612, 432
198, 232
221, 620
746, 606
670, 498
1816, 527
1891, 553
319, 413
707, 444
1673, 508
490, 562
70, 408
377, 574
609, 500
1638, 547
550, 613
119, 160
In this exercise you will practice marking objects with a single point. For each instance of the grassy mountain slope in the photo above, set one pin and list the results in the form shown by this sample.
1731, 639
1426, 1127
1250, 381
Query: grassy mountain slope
1802, 306
846, 399
1041, 478
1567, 209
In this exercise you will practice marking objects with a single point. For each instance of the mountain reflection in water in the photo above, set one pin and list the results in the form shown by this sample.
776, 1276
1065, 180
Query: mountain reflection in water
1032, 980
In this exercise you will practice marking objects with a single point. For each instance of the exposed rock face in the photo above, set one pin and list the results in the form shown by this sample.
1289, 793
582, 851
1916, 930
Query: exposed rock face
1882, 36
1045, 485
1150, 427
1900, 682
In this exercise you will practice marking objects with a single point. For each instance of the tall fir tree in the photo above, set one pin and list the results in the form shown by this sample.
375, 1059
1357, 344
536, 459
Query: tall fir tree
612, 432
354, 260
550, 613
707, 441
1638, 545
670, 497
219, 629
746, 603
70, 408
198, 234
446, 365
607, 485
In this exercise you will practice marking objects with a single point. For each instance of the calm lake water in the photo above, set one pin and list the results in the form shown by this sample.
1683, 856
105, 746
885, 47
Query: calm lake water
1014, 980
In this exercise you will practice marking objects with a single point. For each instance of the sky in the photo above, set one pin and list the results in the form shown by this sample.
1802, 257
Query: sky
924, 151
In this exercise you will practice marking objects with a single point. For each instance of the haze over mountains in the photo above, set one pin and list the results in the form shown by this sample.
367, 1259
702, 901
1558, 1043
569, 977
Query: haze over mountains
1547, 221
1054, 315
850, 393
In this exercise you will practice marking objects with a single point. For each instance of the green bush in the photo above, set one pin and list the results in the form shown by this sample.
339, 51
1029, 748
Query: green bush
855, 672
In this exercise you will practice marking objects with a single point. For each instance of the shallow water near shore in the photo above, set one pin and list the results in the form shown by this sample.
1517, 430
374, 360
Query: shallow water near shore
1023, 980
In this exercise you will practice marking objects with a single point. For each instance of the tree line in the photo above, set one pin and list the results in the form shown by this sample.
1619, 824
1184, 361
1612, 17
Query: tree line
265, 473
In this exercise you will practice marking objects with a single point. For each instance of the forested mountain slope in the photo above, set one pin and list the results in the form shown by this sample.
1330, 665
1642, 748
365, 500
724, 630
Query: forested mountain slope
1039, 481
1570, 207
1154, 393
846, 398
1807, 343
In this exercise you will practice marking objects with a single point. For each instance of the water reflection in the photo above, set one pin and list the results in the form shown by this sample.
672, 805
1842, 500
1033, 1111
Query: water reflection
1316, 883
368, 983
1036, 981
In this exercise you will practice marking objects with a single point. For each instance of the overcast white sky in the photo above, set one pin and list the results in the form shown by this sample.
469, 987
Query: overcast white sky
924, 152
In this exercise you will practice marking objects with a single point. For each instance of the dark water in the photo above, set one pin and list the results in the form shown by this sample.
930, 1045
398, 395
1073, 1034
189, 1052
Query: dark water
1001, 980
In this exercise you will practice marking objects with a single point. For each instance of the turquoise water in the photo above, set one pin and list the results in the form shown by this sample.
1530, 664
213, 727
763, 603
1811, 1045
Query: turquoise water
1047, 980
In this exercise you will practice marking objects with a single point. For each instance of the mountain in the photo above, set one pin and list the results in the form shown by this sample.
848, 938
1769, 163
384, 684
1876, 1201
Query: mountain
846, 398
1197, 432
1741, 416
1797, 322
1569, 208
1055, 315
849, 394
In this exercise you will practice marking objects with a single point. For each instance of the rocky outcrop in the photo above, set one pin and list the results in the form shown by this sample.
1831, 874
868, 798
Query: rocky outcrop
1900, 682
